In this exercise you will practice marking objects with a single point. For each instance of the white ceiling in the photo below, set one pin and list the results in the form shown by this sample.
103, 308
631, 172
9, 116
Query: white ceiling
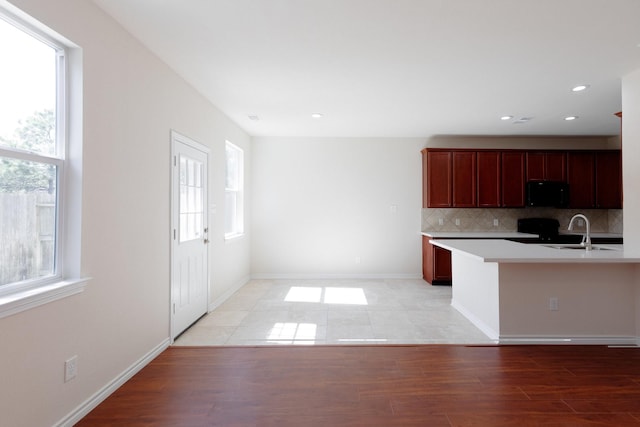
397, 68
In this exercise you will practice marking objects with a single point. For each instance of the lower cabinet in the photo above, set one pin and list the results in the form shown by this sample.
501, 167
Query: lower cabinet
436, 263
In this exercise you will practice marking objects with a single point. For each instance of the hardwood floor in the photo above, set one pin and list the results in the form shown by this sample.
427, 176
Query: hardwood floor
380, 386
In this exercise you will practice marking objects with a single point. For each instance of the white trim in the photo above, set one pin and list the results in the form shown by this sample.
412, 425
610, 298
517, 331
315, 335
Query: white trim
325, 276
569, 340
17, 302
88, 405
177, 136
221, 299
233, 236
486, 329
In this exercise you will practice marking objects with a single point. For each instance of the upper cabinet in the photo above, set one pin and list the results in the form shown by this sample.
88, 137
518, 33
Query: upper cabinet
496, 178
595, 179
489, 183
436, 179
608, 171
581, 179
546, 165
464, 179
512, 179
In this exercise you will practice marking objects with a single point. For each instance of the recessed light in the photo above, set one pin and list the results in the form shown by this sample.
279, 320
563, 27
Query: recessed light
505, 118
317, 115
580, 88
569, 118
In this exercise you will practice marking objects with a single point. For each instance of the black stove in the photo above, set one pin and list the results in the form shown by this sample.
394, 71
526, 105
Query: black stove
547, 231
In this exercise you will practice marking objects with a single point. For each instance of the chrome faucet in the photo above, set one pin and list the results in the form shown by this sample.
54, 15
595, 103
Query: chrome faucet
586, 239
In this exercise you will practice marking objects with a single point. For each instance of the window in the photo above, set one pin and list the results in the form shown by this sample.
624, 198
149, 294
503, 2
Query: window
233, 192
33, 148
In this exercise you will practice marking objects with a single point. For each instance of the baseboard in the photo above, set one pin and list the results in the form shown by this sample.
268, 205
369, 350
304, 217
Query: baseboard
89, 404
221, 299
486, 329
569, 340
336, 276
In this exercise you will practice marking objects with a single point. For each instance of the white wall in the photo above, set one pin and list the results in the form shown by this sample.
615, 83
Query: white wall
131, 101
631, 171
322, 203
631, 158
527, 142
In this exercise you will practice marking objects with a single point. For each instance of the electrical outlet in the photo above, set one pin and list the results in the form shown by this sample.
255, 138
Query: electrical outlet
457, 221
580, 222
496, 222
553, 304
70, 368
440, 221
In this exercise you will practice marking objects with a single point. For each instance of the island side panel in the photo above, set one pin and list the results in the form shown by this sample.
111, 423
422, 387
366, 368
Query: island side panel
475, 292
596, 302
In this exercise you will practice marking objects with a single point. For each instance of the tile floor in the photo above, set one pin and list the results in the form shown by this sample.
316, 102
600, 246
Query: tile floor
316, 312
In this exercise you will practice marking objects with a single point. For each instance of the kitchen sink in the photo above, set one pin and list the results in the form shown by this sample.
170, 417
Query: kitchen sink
593, 247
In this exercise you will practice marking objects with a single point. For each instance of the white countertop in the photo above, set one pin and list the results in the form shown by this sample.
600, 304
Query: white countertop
477, 234
500, 234
505, 251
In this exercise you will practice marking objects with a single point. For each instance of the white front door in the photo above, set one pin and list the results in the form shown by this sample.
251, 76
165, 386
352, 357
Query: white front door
189, 233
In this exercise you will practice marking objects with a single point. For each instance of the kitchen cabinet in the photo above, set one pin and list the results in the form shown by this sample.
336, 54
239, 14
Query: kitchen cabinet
436, 179
546, 165
436, 263
513, 179
489, 182
464, 179
608, 179
581, 179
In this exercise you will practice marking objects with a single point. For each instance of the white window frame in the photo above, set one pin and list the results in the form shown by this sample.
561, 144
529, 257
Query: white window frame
66, 281
238, 229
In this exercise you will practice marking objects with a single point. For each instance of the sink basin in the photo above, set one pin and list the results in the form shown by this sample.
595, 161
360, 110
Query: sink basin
578, 247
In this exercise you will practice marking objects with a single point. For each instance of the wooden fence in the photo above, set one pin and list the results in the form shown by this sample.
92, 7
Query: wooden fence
27, 236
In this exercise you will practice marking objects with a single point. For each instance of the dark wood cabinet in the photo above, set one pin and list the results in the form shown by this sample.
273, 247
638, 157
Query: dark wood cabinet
608, 177
556, 166
464, 179
546, 165
489, 182
436, 263
436, 183
513, 179
581, 179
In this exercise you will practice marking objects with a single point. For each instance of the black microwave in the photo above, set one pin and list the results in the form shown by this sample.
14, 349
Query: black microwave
547, 193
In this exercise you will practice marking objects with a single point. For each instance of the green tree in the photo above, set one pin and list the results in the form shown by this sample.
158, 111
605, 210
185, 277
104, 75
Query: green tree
35, 134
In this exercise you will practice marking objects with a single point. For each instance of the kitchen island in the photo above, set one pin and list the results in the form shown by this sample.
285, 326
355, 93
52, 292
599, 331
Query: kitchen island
536, 293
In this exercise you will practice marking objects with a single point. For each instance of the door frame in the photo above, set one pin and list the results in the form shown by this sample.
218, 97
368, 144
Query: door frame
176, 140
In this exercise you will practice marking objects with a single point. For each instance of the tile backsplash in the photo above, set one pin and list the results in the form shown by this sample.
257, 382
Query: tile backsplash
483, 219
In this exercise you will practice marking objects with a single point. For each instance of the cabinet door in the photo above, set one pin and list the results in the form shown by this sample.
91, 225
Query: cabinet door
535, 166
436, 263
489, 179
513, 179
546, 165
555, 166
427, 259
438, 179
608, 179
441, 265
464, 179
581, 179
